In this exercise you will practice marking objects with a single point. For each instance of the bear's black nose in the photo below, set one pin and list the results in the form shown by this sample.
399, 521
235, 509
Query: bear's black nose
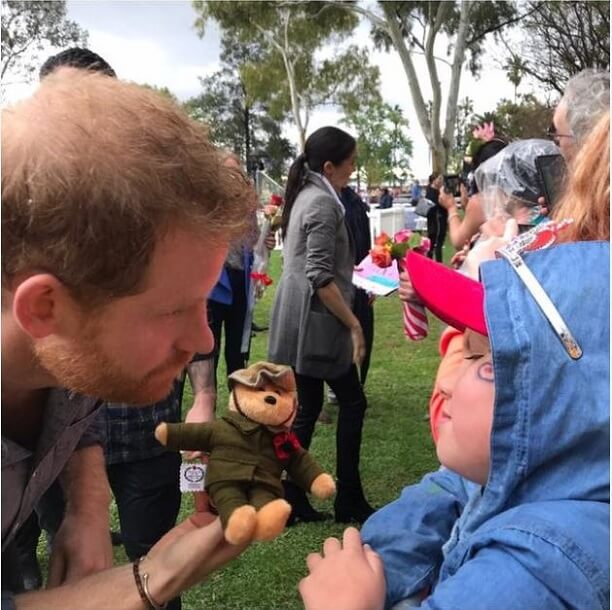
270, 400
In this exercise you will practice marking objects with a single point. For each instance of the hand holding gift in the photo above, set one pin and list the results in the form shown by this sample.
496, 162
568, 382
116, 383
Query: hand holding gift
383, 253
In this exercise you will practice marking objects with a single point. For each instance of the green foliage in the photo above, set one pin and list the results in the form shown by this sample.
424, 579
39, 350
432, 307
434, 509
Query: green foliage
416, 19
288, 75
28, 27
562, 38
237, 120
463, 133
163, 91
516, 120
412, 27
383, 145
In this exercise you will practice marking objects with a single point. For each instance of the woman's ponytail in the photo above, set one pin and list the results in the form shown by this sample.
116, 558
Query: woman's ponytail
295, 181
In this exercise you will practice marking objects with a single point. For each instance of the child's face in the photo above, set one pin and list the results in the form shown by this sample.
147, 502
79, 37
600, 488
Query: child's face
464, 431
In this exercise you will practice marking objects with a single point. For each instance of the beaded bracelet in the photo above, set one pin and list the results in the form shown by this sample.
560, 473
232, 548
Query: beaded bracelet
452, 215
142, 584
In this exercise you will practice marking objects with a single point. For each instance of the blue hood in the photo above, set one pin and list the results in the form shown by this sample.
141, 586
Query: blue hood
551, 426
537, 534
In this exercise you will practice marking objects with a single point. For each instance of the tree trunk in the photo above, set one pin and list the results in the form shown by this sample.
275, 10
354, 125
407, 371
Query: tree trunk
295, 100
439, 159
453, 92
413, 82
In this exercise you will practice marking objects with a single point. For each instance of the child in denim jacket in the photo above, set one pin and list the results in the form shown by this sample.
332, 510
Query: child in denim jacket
518, 516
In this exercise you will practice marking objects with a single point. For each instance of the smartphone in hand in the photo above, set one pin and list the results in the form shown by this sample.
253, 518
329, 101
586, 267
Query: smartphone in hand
552, 171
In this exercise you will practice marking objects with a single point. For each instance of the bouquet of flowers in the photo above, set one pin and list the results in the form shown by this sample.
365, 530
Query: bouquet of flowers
273, 213
384, 252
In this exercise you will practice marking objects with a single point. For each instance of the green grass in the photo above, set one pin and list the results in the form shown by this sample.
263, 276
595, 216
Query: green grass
397, 450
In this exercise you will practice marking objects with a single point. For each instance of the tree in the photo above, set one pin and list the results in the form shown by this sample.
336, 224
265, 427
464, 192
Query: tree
383, 145
560, 39
29, 26
463, 133
236, 119
414, 28
163, 91
515, 71
288, 77
518, 120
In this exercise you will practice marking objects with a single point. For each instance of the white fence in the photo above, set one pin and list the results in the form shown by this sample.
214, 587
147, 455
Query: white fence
394, 219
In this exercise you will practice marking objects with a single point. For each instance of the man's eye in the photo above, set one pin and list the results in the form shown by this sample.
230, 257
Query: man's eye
473, 357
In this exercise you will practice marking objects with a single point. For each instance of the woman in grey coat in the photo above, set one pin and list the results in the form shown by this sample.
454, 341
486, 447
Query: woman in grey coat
312, 326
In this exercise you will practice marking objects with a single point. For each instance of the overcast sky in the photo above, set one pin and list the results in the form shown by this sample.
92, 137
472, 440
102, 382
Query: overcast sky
155, 43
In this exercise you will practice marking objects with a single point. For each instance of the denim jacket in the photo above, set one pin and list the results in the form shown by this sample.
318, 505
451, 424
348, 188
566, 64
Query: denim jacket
537, 535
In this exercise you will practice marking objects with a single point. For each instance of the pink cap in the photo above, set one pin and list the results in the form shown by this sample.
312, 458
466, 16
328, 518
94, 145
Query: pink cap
454, 298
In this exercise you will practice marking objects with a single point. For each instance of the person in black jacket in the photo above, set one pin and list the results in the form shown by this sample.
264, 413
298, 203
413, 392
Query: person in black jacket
358, 225
436, 217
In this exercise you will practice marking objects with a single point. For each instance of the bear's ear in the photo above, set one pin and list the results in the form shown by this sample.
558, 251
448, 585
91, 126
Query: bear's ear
231, 405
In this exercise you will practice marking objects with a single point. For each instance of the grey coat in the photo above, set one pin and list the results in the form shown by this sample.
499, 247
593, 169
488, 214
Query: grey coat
317, 250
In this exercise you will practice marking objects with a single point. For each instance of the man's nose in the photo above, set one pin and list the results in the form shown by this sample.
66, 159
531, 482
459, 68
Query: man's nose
196, 335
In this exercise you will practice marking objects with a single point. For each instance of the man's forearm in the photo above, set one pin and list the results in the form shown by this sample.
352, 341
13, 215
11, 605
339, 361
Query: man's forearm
86, 484
91, 592
202, 378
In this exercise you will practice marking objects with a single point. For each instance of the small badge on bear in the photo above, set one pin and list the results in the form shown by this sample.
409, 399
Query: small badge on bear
193, 477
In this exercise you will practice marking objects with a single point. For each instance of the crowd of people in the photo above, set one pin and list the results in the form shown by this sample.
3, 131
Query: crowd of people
127, 245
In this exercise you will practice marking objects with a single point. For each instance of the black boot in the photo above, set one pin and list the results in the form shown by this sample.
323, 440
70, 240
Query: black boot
350, 505
301, 509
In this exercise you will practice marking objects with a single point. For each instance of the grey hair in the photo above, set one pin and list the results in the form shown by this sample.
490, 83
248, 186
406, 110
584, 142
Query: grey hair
586, 97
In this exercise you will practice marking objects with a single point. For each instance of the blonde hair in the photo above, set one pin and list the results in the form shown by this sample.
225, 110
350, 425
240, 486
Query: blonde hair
587, 196
95, 171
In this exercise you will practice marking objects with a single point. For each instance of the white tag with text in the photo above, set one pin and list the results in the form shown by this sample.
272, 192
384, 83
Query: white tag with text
193, 477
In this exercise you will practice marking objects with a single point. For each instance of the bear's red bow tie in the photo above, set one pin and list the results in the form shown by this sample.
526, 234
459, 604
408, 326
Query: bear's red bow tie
285, 443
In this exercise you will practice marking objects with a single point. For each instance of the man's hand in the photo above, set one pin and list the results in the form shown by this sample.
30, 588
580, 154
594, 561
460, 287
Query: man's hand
186, 555
82, 546
345, 576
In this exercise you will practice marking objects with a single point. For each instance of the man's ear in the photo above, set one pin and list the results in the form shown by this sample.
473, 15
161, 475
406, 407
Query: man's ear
39, 305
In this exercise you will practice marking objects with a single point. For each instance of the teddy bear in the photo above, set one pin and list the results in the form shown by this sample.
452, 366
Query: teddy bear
249, 448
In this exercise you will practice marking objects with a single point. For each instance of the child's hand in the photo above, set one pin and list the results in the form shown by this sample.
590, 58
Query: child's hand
345, 576
406, 291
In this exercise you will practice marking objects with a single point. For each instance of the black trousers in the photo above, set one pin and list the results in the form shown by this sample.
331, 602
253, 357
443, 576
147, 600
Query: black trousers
437, 221
148, 502
231, 319
352, 405
364, 312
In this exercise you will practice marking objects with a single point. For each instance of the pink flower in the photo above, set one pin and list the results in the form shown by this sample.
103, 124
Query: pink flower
425, 246
485, 132
402, 236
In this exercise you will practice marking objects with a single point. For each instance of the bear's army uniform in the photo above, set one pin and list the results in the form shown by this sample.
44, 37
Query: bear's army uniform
246, 461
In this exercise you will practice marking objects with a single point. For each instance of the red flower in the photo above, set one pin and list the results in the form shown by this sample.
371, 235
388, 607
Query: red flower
381, 256
382, 240
275, 200
264, 278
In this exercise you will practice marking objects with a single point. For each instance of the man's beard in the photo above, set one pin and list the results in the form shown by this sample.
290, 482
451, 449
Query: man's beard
82, 366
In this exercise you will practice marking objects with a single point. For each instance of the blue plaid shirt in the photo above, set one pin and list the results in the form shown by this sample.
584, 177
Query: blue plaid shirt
131, 429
